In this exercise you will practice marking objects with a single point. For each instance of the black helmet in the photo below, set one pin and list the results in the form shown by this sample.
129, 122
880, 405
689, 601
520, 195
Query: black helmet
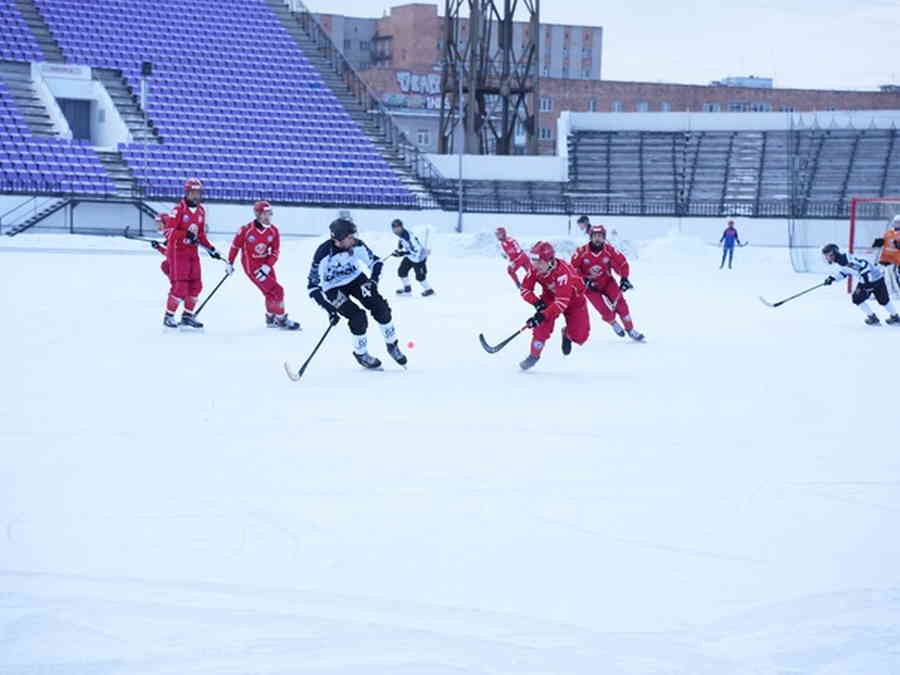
396, 222
342, 227
831, 248
583, 220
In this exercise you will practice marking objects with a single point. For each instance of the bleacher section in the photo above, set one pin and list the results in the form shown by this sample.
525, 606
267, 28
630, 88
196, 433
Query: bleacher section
16, 41
216, 64
748, 172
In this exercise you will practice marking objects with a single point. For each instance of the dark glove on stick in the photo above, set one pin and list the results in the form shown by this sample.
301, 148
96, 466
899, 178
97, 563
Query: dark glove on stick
156, 245
540, 305
536, 320
215, 255
625, 285
829, 281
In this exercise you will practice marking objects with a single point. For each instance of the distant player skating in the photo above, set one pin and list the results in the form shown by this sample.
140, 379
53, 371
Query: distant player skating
562, 294
415, 258
889, 243
869, 282
728, 240
511, 251
336, 278
259, 244
185, 228
595, 263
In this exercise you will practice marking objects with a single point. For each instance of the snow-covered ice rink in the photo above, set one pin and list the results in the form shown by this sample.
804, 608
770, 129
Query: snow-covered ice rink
723, 499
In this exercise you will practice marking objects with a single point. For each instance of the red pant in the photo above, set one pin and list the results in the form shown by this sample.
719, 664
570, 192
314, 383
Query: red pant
609, 301
578, 327
514, 265
271, 290
184, 273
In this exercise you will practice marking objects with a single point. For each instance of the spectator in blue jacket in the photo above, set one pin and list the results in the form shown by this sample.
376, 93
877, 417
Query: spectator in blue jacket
729, 239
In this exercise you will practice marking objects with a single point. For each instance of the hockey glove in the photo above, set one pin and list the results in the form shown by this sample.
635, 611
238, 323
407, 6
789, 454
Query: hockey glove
878, 243
229, 268
333, 317
625, 285
590, 284
262, 273
536, 320
215, 255
398, 253
540, 305
829, 281
156, 245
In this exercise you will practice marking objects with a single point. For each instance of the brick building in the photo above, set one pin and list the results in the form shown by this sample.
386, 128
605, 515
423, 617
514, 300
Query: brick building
399, 57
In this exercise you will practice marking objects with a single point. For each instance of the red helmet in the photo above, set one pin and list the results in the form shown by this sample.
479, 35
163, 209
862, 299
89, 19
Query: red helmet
192, 184
543, 251
598, 228
500, 232
261, 206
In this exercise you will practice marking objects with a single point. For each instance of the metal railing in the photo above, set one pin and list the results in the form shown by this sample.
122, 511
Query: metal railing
396, 139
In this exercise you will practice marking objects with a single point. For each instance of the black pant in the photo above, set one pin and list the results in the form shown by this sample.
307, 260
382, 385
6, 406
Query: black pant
406, 265
864, 291
368, 296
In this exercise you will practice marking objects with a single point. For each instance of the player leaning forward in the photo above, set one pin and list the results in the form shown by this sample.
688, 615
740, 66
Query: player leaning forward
259, 244
869, 282
337, 278
562, 293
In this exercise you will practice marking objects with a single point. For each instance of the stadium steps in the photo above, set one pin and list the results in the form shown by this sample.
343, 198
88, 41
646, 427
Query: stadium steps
46, 208
121, 175
357, 112
128, 105
17, 77
41, 32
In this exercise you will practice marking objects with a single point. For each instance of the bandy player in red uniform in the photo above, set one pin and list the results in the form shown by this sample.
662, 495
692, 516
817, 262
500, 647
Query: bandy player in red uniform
186, 228
562, 294
595, 262
513, 252
259, 243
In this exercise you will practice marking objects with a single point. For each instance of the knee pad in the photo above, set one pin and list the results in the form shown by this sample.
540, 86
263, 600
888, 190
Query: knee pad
381, 311
860, 295
420, 274
276, 293
358, 321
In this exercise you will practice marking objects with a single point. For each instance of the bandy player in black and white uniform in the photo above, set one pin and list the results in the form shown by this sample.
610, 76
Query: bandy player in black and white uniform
337, 278
869, 282
414, 258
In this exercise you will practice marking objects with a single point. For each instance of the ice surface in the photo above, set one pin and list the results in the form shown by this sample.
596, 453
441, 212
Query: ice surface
721, 499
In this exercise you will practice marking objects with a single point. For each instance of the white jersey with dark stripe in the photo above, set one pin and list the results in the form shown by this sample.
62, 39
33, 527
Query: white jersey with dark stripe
333, 267
858, 268
411, 246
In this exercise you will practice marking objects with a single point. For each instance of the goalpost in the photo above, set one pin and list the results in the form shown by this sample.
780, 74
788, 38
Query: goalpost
870, 218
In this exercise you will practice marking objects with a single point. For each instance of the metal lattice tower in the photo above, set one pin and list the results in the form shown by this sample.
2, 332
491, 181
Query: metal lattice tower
499, 79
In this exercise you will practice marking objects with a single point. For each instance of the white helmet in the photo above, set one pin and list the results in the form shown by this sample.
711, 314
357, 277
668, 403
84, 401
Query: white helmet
897, 220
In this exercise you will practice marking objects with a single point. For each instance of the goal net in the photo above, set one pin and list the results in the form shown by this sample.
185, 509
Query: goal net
870, 218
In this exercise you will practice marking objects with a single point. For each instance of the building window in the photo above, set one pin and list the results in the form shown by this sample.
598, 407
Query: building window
546, 104
592, 105
586, 53
665, 106
642, 106
617, 106
738, 107
586, 73
346, 44
787, 108
546, 134
364, 45
761, 107
546, 71
423, 137
712, 107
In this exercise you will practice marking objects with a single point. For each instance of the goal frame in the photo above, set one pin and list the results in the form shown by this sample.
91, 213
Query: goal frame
855, 202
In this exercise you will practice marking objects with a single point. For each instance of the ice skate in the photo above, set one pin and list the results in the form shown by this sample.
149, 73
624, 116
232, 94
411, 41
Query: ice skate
394, 350
366, 360
635, 335
188, 321
285, 323
893, 319
169, 321
617, 329
529, 361
566, 345
872, 320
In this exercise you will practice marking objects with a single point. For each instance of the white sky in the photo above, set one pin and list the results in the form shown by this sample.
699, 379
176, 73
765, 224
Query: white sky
841, 44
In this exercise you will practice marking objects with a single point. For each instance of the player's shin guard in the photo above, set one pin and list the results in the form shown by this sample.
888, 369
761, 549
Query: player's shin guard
864, 306
360, 344
388, 331
889, 307
172, 304
189, 304
537, 346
